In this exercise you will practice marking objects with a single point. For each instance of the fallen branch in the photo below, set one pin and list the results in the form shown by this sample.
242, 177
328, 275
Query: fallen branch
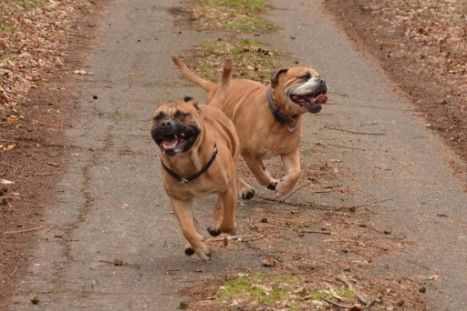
314, 231
238, 238
320, 206
353, 132
357, 294
336, 304
14, 272
23, 231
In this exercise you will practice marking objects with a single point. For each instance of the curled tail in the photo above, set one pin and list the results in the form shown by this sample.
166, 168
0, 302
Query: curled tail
222, 91
190, 75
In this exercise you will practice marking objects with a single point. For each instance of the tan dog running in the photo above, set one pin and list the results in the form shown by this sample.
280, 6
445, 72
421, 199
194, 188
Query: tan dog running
268, 119
199, 155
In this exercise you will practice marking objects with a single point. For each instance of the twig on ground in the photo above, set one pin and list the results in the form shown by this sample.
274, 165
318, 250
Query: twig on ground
357, 294
353, 132
321, 191
336, 304
314, 231
320, 206
24, 230
14, 272
238, 238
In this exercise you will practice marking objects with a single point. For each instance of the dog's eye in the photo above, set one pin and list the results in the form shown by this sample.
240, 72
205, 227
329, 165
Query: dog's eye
306, 76
181, 115
159, 116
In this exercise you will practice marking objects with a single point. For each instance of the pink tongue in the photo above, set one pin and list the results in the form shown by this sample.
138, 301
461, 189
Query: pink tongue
169, 144
321, 99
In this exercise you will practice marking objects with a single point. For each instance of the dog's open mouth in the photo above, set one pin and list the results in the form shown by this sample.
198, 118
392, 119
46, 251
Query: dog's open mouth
311, 102
177, 140
173, 142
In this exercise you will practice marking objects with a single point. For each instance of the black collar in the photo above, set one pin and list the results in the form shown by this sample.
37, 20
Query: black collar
194, 176
280, 117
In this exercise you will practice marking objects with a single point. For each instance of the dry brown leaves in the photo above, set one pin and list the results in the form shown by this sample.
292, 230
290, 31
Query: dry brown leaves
438, 27
32, 38
422, 45
40, 45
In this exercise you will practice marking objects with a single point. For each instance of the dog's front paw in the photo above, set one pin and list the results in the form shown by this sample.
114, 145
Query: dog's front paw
204, 252
189, 251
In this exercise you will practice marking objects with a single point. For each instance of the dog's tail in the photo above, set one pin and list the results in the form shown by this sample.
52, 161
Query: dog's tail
190, 75
221, 93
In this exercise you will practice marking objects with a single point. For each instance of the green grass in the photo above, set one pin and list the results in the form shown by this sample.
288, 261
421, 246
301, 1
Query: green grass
263, 289
244, 5
252, 59
271, 290
28, 4
233, 15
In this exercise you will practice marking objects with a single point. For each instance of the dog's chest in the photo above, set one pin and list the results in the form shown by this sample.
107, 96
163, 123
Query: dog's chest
274, 145
202, 186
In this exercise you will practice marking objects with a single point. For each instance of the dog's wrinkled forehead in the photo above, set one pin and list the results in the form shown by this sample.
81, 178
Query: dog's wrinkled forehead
293, 75
302, 72
178, 111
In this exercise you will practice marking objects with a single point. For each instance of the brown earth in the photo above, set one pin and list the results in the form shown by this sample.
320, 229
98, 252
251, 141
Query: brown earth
37, 64
37, 104
422, 46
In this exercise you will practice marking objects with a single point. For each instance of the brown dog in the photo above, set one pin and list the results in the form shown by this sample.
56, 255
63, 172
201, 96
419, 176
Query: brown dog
199, 155
268, 119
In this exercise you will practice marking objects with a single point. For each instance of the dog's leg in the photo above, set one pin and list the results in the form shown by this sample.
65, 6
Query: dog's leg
229, 201
188, 250
214, 228
223, 218
245, 191
184, 212
291, 163
258, 169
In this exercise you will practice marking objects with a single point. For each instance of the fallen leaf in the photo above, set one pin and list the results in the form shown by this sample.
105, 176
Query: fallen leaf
9, 148
82, 72
269, 262
12, 121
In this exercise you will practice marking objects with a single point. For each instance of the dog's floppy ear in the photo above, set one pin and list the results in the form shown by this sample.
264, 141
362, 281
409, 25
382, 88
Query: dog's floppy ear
191, 100
275, 76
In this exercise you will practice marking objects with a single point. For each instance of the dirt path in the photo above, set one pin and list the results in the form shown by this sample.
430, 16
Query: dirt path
376, 180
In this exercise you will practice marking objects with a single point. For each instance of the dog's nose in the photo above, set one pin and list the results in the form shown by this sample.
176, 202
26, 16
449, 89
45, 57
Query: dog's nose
322, 86
167, 123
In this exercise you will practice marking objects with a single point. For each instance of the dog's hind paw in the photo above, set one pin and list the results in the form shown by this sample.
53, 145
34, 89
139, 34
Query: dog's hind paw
248, 195
214, 232
272, 186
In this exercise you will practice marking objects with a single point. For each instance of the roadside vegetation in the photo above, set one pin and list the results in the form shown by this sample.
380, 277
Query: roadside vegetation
233, 15
252, 58
35, 38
